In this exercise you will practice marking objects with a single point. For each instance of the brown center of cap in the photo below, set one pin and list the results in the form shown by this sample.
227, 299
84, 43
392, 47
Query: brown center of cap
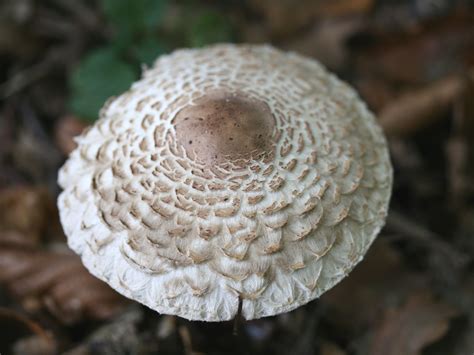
222, 127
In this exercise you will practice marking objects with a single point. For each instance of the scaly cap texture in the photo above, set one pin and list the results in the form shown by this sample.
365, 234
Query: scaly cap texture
227, 174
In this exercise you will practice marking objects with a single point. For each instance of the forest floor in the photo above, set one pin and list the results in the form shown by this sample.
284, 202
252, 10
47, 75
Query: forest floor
411, 61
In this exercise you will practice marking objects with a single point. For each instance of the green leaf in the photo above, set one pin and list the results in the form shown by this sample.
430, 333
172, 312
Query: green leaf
210, 27
100, 75
146, 51
133, 16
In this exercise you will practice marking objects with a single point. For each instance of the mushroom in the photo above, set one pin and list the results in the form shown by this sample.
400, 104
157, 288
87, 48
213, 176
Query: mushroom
232, 178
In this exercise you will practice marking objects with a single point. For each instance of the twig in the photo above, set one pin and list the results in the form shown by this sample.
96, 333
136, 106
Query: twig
87, 16
23, 79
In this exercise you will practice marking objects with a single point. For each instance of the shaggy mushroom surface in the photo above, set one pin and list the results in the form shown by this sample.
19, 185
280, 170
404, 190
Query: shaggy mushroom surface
227, 174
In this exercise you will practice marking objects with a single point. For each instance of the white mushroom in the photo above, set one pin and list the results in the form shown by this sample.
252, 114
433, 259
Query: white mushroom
227, 174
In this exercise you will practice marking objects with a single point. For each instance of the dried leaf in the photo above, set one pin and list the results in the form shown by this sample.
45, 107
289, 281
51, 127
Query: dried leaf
411, 327
418, 109
57, 281
417, 56
25, 213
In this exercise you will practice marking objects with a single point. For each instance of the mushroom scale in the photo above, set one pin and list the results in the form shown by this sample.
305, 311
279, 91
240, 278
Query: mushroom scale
228, 173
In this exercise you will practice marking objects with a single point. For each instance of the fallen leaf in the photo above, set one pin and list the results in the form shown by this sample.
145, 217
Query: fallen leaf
58, 282
418, 56
25, 213
417, 109
410, 328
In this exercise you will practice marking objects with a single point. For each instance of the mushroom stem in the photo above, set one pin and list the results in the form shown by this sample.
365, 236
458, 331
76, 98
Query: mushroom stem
237, 319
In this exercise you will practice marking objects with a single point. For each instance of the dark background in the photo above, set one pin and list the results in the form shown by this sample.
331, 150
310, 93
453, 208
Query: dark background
412, 62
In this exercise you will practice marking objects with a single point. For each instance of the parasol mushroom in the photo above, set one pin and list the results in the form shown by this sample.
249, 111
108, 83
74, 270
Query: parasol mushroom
232, 177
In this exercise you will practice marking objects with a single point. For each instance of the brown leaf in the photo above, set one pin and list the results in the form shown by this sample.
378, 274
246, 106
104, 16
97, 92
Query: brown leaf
25, 213
410, 328
57, 281
418, 109
418, 56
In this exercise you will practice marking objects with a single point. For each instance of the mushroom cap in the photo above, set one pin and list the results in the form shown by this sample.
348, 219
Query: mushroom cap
227, 174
